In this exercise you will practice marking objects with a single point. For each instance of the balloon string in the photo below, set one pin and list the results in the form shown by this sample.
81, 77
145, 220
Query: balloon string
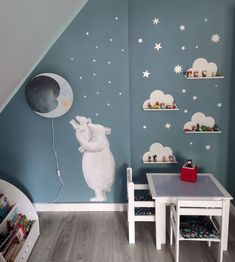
57, 162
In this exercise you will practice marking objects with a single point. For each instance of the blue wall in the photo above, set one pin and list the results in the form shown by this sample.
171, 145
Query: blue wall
114, 26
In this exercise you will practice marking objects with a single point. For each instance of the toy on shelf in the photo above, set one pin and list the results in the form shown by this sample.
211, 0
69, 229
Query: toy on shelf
201, 124
158, 154
202, 69
189, 172
159, 101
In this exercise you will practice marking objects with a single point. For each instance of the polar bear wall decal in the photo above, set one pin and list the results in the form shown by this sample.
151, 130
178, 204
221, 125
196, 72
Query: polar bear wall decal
98, 164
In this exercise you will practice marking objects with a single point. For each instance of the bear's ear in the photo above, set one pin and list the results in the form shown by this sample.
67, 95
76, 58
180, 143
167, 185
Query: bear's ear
108, 130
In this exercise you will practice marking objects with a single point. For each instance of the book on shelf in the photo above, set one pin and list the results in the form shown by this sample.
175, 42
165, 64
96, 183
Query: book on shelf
4, 207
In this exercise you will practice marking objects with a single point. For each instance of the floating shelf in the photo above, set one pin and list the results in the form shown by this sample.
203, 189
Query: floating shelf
208, 77
161, 109
155, 163
202, 132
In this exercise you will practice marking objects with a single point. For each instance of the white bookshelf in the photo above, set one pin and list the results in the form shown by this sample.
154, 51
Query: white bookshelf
159, 162
161, 109
19, 201
202, 132
204, 78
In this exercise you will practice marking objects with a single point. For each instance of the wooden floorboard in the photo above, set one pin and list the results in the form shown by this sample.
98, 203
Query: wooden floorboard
103, 237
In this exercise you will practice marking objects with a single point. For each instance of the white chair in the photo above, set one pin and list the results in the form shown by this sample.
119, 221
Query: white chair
211, 209
133, 204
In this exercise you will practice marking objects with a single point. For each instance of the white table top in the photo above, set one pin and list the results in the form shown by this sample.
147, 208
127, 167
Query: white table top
169, 186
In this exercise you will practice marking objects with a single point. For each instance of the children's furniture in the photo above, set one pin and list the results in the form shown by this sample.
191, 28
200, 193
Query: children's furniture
136, 202
193, 220
20, 202
167, 188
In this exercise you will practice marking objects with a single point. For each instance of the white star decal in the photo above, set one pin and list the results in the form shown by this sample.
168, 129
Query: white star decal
140, 40
183, 47
144, 127
219, 104
146, 74
207, 147
185, 111
178, 69
168, 125
156, 21
158, 46
194, 97
182, 27
196, 46
215, 38
183, 90
191, 143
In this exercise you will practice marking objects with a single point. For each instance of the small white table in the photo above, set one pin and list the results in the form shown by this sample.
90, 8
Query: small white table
166, 188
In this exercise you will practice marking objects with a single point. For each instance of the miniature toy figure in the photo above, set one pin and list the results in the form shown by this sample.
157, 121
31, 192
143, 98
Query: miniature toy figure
214, 74
155, 158
162, 105
171, 158
189, 163
215, 128
204, 73
149, 159
164, 159
195, 73
189, 73
198, 127
174, 105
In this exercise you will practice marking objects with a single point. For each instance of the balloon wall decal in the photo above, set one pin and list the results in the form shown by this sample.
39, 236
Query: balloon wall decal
49, 95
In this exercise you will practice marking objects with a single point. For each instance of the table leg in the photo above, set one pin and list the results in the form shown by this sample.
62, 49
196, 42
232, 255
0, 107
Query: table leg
160, 224
226, 224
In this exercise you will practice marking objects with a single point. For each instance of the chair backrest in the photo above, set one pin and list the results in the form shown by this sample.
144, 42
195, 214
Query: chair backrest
200, 207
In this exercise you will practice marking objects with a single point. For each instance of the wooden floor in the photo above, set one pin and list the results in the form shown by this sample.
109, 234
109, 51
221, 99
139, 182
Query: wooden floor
103, 237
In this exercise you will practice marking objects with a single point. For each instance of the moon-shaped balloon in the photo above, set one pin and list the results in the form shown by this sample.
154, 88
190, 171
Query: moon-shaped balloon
49, 95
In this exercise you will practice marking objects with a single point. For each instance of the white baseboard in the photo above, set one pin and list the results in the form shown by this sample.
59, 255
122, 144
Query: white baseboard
47, 207
232, 209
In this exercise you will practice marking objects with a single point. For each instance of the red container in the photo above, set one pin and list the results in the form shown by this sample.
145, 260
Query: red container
188, 174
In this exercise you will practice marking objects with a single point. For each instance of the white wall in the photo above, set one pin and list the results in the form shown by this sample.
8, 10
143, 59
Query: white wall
28, 28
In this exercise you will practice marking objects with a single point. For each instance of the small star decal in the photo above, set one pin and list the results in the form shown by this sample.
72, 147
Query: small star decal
219, 104
196, 46
87, 33
156, 21
206, 20
71, 58
116, 17
93, 60
185, 111
183, 47
158, 46
144, 127
178, 69
97, 114
97, 93
191, 143
111, 40
120, 93
140, 40
84, 96
215, 38
194, 97
168, 125
94, 74
108, 104
97, 47
146, 74
207, 147
109, 82
182, 27
80, 77
183, 90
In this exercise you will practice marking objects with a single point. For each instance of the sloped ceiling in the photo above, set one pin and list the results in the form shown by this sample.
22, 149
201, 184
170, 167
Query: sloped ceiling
27, 31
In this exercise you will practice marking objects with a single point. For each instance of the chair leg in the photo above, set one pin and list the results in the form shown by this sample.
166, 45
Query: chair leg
132, 232
176, 249
171, 231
